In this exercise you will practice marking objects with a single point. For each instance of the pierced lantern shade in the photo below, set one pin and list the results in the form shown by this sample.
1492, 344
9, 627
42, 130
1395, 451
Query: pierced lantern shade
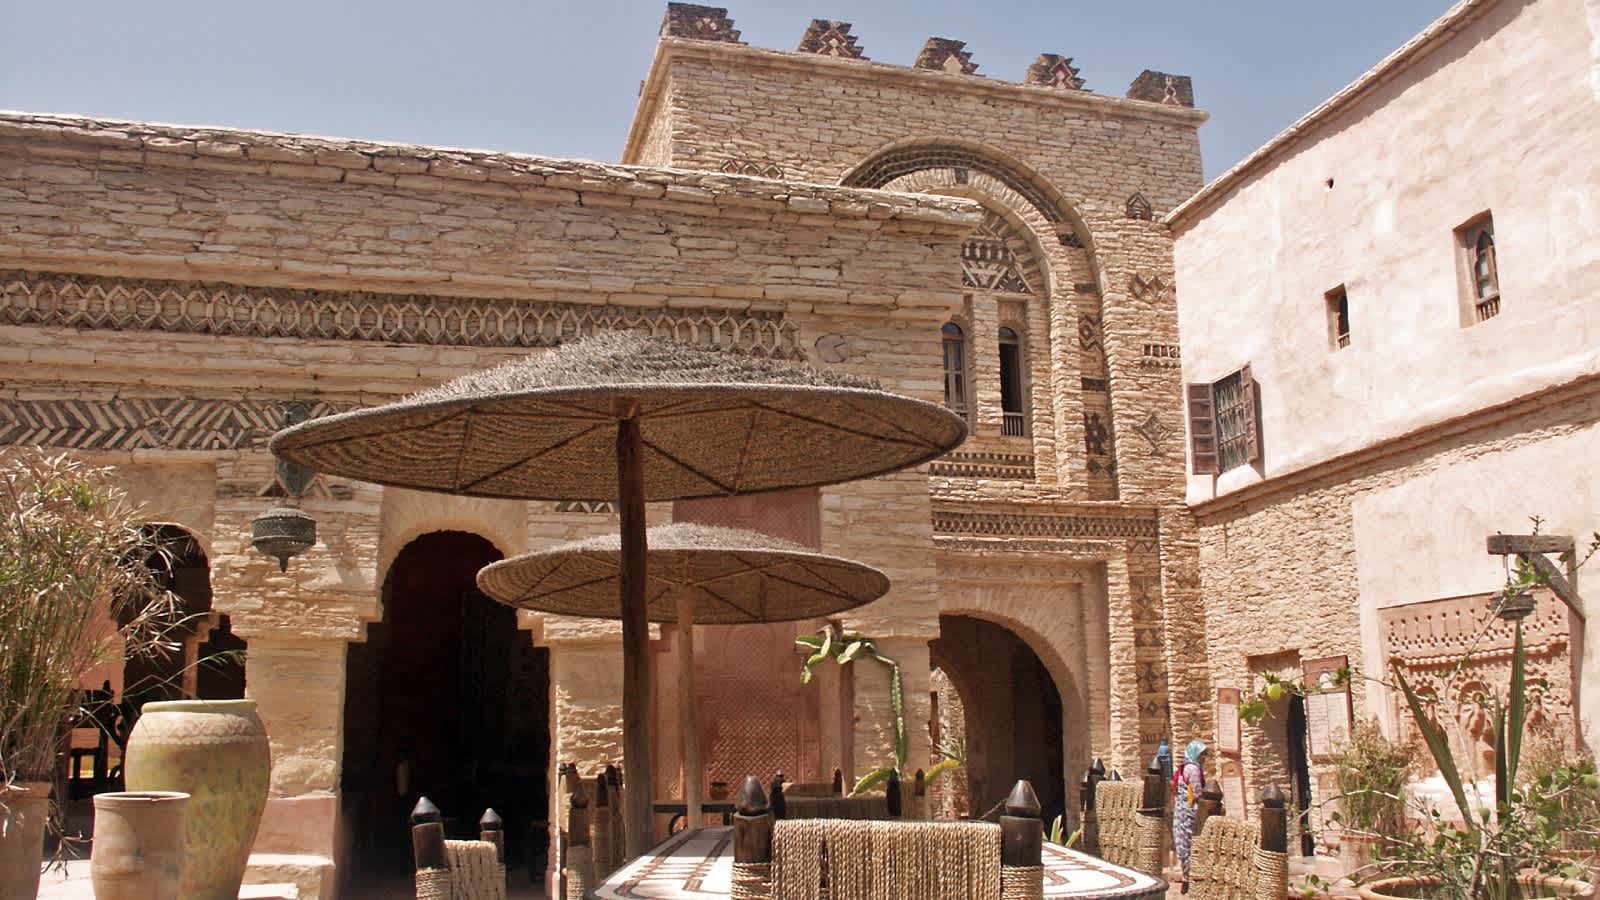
1514, 607
283, 532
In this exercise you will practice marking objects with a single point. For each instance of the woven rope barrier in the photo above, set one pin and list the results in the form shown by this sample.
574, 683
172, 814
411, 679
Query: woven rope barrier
844, 859
476, 871
1117, 806
1223, 864
1022, 882
579, 874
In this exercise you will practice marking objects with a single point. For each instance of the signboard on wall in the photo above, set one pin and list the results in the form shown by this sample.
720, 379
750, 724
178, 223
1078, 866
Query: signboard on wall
1228, 739
1329, 713
1231, 776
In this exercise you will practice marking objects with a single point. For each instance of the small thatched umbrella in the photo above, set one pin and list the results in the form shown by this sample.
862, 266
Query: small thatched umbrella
625, 416
698, 575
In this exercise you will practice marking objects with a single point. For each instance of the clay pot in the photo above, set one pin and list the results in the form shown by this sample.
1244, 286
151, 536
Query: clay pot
1357, 850
24, 812
1533, 886
138, 845
215, 751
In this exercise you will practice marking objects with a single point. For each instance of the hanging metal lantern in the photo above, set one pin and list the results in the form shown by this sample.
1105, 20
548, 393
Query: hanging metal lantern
1512, 607
282, 532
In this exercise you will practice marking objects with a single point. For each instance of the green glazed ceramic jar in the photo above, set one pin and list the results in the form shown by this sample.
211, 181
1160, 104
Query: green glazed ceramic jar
216, 751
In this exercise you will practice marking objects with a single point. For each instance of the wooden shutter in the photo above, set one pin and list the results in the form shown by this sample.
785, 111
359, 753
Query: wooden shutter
1203, 429
1247, 416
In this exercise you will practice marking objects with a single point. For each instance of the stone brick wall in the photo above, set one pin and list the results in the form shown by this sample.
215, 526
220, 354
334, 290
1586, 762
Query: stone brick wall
1299, 570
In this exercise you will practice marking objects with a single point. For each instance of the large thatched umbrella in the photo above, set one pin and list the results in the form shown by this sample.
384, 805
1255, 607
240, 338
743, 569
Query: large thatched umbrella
698, 575
625, 416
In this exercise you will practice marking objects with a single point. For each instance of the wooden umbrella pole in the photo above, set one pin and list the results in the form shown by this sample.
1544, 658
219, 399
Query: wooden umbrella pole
636, 694
693, 777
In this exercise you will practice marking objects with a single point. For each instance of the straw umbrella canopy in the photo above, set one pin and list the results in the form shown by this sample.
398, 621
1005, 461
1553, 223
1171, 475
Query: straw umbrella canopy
698, 575
619, 415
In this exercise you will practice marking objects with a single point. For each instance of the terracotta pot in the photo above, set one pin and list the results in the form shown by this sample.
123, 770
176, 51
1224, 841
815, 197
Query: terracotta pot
138, 845
1532, 886
215, 751
1356, 850
24, 812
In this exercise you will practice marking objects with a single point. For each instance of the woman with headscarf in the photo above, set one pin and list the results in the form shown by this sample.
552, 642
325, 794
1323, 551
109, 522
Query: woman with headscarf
1187, 783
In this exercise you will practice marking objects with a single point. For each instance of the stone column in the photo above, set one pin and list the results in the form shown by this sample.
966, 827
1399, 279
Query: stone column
298, 686
874, 728
1124, 666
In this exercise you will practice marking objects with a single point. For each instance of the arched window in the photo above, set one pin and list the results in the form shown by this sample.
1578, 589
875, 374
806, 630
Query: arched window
1483, 269
1485, 278
1013, 419
955, 368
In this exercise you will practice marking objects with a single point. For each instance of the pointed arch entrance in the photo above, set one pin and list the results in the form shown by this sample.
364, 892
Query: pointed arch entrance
446, 698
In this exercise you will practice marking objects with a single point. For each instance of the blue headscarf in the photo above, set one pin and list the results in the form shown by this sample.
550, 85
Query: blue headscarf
1192, 752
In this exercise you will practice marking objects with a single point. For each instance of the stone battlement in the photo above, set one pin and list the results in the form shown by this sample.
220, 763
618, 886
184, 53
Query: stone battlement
830, 37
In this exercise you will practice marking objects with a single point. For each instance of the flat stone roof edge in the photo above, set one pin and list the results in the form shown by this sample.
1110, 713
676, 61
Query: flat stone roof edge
291, 155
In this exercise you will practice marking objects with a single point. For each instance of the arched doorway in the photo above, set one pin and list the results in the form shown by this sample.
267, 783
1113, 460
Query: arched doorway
1012, 712
446, 698
208, 661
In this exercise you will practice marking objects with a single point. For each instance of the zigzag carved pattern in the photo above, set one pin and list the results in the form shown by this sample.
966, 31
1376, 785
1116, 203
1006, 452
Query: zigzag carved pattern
1041, 526
83, 301
146, 423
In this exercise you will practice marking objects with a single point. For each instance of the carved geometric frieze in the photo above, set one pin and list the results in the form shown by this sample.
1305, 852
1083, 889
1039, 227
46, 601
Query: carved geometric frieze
1160, 356
1138, 207
758, 168
1143, 288
1024, 525
972, 464
830, 37
122, 304
997, 258
1094, 550
594, 507
145, 423
1159, 87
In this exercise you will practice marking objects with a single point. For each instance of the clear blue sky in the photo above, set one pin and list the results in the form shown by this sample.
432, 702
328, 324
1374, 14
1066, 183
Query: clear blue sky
561, 79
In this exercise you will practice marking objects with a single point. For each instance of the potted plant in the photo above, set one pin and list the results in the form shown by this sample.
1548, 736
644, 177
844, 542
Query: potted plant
73, 563
1370, 775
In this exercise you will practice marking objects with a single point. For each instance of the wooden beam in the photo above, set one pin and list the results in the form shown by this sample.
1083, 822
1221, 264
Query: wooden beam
1507, 544
1559, 585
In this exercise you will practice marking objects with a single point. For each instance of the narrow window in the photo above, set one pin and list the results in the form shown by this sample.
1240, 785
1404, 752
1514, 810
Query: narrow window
955, 369
1338, 302
1476, 241
1013, 421
1223, 429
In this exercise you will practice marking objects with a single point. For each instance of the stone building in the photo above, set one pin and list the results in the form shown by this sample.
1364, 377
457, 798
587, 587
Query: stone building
1389, 327
170, 296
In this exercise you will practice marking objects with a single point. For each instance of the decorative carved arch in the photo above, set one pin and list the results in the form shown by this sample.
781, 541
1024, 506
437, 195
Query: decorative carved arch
962, 159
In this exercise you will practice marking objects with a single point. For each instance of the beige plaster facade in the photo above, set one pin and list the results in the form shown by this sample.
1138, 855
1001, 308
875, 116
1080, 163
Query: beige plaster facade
1384, 463
169, 296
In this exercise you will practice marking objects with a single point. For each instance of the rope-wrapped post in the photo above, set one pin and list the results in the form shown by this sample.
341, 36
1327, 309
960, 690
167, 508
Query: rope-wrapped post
600, 827
620, 827
780, 806
1152, 823
432, 877
752, 843
1209, 804
492, 828
1274, 820
919, 796
1272, 859
427, 836
578, 876
1021, 846
1089, 841
895, 795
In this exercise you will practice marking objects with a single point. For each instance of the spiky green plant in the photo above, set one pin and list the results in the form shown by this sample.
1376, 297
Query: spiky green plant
73, 566
845, 649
